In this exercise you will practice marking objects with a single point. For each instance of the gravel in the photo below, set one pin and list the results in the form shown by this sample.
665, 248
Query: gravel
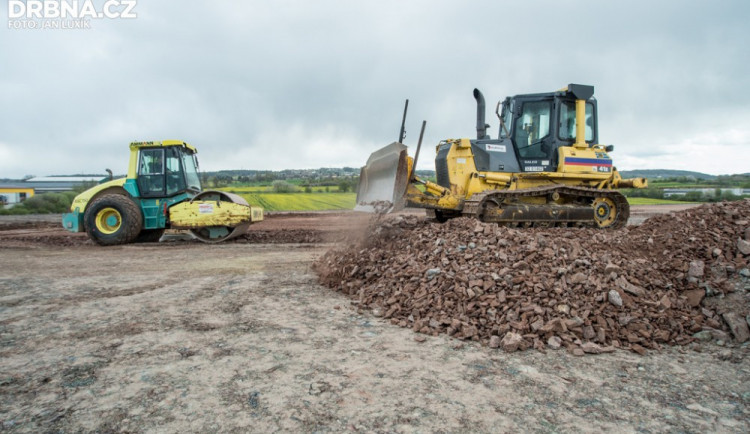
585, 290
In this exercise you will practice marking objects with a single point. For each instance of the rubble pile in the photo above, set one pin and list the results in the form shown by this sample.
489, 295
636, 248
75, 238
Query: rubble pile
586, 290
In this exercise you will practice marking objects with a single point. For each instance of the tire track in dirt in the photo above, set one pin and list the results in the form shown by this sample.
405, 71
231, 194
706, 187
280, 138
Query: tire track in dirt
240, 338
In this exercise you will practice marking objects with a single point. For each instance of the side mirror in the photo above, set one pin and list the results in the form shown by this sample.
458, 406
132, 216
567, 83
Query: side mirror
609, 148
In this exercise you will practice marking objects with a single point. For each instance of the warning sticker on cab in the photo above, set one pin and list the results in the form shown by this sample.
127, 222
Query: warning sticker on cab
495, 148
206, 208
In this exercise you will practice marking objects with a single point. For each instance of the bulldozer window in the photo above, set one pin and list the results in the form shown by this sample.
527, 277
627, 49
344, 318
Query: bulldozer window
531, 128
568, 121
506, 118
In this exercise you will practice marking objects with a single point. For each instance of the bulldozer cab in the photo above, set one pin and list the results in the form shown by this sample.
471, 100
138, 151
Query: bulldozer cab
166, 171
536, 125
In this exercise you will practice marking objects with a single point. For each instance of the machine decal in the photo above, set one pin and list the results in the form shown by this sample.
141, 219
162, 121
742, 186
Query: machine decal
572, 161
536, 165
206, 208
460, 160
495, 148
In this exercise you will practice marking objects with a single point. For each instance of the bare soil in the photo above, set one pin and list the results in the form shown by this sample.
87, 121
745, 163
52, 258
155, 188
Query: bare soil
182, 336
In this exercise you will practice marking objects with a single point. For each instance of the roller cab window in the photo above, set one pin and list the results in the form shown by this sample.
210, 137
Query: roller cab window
165, 172
151, 173
191, 172
175, 175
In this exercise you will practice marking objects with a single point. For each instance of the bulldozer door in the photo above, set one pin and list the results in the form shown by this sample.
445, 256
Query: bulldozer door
534, 143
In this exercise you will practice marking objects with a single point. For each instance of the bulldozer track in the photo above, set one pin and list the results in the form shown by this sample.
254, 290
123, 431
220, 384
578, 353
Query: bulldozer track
476, 206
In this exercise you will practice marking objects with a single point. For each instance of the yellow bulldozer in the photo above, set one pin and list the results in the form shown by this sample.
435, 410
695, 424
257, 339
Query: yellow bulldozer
546, 168
161, 190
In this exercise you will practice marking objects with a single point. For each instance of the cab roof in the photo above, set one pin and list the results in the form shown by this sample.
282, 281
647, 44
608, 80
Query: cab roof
163, 143
573, 91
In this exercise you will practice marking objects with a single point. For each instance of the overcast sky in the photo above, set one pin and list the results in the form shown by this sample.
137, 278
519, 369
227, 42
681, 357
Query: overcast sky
307, 84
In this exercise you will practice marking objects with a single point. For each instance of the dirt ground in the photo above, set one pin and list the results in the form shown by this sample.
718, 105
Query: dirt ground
182, 336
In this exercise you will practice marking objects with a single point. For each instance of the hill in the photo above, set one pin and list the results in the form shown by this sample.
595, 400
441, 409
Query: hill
339, 172
665, 173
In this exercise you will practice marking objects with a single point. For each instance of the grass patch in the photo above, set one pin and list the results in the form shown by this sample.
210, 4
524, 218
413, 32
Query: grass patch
269, 189
301, 201
652, 201
44, 203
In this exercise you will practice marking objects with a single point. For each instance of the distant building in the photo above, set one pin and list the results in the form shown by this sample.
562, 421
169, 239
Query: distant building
12, 193
56, 184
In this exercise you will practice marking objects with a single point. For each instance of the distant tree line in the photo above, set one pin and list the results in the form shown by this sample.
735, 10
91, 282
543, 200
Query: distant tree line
343, 186
690, 196
213, 180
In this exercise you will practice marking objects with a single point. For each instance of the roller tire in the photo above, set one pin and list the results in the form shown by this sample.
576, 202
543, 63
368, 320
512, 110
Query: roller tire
149, 236
124, 225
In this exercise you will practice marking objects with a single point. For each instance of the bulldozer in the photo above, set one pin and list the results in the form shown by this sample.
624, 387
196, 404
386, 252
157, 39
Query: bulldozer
545, 168
162, 190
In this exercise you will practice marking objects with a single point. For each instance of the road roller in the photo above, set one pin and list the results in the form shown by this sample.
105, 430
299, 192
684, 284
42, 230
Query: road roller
162, 190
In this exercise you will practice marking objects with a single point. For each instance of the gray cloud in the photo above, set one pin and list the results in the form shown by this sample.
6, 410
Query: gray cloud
294, 84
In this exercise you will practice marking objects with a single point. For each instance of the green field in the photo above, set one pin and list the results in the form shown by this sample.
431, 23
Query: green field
301, 201
650, 201
269, 189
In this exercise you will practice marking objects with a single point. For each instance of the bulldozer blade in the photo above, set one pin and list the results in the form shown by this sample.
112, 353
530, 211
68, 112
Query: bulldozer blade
383, 181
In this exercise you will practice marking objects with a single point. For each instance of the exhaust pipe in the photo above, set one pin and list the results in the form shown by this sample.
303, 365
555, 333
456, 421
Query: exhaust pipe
481, 125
